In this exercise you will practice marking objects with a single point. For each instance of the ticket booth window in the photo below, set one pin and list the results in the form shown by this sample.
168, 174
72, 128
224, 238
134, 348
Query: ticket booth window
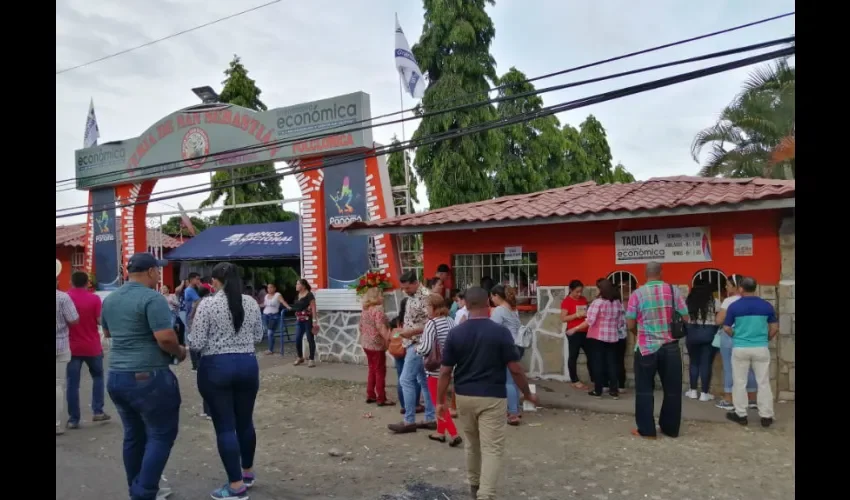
521, 274
625, 281
713, 278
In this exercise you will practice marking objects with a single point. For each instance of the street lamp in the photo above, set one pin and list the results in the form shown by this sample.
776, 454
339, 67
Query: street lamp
206, 94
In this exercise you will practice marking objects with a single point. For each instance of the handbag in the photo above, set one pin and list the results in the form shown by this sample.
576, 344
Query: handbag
678, 329
434, 359
716, 341
526, 335
395, 346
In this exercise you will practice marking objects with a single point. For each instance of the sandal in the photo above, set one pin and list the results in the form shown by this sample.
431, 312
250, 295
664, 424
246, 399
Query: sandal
441, 439
513, 420
455, 442
298, 361
579, 386
386, 403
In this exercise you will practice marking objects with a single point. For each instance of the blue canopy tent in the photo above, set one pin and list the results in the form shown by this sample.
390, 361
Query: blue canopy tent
272, 241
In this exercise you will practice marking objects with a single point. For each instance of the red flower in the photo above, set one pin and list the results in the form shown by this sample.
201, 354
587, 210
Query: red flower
362, 282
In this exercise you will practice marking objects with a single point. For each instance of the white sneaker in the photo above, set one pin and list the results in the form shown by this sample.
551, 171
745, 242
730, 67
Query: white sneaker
704, 396
163, 493
692, 394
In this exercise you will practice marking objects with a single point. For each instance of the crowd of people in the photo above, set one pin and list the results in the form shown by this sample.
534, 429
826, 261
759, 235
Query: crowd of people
459, 351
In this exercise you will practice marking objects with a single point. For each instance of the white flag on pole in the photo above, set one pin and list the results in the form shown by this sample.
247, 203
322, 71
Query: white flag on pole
92, 132
408, 68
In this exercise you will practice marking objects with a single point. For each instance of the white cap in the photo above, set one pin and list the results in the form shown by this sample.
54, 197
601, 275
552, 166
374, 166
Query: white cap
58, 267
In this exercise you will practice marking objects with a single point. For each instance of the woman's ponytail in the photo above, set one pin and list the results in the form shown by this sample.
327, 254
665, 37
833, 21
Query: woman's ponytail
228, 275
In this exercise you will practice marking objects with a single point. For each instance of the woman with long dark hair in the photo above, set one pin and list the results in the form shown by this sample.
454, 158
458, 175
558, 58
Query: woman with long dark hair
307, 322
702, 307
225, 329
505, 313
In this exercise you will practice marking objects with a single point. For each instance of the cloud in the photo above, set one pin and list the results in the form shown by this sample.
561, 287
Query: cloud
301, 51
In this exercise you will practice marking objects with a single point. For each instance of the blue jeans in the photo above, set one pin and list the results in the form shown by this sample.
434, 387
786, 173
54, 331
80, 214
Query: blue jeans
72, 375
701, 357
513, 390
726, 356
667, 363
413, 375
149, 406
399, 366
229, 382
305, 329
270, 321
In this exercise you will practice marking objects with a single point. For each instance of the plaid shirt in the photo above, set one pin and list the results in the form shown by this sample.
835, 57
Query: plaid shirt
605, 319
65, 313
651, 306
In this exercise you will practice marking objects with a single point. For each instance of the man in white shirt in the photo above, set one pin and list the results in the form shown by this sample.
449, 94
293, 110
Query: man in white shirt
66, 315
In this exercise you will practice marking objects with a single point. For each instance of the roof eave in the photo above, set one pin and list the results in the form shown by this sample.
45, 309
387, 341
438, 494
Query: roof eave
771, 204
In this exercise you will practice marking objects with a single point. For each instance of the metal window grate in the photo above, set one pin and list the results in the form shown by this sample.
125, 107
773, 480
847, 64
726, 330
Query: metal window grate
625, 281
521, 274
410, 254
713, 277
78, 261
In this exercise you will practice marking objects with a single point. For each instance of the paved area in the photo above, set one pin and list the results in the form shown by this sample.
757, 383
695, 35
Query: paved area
317, 439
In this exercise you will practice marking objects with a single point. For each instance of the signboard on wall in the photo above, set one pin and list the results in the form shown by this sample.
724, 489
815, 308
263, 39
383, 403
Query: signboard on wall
106, 240
216, 136
345, 202
743, 245
513, 253
686, 244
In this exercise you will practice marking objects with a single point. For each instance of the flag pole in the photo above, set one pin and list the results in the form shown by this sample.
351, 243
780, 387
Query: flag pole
407, 208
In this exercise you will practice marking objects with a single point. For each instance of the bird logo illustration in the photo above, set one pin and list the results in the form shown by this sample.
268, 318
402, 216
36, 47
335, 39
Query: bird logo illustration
343, 198
103, 222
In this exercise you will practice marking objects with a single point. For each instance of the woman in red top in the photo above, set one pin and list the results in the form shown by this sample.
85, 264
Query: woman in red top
573, 313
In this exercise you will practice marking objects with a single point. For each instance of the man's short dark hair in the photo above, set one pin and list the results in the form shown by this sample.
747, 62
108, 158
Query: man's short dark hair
477, 298
443, 268
79, 279
749, 285
408, 277
193, 276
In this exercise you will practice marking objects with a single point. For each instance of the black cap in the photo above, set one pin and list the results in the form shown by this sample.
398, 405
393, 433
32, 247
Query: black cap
141, 262
443, 268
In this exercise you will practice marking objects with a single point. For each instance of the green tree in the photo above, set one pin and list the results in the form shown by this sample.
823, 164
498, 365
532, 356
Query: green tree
524, 160
174, 226
757, 124
454, 54
241, 90
395, 164
622, 175
592, 157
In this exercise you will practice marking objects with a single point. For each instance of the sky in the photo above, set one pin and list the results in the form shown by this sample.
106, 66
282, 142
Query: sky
303, 51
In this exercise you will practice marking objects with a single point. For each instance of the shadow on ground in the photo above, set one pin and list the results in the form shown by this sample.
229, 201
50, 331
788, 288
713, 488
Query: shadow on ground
420, 491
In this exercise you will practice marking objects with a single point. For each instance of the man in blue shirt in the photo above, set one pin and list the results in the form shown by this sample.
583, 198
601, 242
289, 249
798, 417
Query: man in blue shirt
478, 351
141, 385
751, 322
190, 296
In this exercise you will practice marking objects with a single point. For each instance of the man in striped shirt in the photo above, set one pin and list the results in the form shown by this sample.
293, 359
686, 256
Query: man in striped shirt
648, 316
66, 315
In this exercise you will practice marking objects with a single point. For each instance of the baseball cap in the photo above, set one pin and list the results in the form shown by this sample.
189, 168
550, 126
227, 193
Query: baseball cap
141, 262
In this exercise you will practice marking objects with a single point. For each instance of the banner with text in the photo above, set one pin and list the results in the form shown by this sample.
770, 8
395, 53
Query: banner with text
345, 202
106, 242
686, 244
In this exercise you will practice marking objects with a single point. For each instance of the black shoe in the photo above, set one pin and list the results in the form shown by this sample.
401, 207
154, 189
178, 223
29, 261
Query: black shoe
735, 418
370, 401
594, 394
454, 443
766, 422
614, 395
431, 426
402, 428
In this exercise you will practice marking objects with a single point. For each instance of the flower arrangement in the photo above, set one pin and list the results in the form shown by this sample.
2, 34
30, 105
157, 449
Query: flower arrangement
372, 279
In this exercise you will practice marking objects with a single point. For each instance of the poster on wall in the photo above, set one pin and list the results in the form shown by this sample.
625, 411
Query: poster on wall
743, 245
685, 244
345, 202
106, 270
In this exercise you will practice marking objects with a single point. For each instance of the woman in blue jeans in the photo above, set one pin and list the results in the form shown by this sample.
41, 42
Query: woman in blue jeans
505, 314
225, 329
725, 344
306, 324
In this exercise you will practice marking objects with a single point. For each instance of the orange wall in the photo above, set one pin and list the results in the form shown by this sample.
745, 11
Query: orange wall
585, 251
64, 253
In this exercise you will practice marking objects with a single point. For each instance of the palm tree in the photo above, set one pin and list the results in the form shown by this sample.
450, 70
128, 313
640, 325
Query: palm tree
753, 134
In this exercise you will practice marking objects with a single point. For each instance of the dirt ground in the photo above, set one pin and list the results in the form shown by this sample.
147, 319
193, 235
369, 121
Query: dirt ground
555, 454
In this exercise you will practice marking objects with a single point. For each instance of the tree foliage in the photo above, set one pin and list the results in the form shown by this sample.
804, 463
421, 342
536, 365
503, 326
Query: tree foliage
395, 165
754, 132
241, 90
454, 54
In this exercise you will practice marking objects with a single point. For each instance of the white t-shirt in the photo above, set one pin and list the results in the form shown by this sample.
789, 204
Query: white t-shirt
272, 304
728, 301
462, 314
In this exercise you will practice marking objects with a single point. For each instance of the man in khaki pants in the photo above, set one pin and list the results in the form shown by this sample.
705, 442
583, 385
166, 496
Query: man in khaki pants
66, 314
477, 351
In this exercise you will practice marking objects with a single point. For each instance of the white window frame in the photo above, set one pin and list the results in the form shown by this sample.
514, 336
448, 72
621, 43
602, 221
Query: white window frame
712, 273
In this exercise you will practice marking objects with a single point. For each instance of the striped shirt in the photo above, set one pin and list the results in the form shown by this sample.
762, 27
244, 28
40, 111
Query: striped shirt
652, 306
65, 313
605, 319
436, 329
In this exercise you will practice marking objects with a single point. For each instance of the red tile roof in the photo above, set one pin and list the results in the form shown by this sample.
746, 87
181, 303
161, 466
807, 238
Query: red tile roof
589, 198
75, 234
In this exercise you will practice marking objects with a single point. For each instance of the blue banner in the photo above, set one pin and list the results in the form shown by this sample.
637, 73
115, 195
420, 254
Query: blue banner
106, 240
345, 202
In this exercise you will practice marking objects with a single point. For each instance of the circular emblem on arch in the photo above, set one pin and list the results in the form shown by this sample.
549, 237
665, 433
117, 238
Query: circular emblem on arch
196, 144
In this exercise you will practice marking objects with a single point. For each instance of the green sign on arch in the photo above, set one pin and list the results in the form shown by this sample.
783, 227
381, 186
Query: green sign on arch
215, 136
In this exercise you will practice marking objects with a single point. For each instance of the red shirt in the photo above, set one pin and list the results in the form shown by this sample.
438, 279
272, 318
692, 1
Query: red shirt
84, 337
208, 287
571, 305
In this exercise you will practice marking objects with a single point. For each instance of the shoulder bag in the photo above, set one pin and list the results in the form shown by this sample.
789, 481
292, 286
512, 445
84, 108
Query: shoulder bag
434, 359
395, 346
678, 329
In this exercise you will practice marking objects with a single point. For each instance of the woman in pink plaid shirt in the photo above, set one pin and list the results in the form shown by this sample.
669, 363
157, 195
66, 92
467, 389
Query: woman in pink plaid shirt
606, 319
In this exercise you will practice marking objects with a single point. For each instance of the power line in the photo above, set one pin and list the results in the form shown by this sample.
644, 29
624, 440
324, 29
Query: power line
173, 35
258, 148
549, 75
523, 117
